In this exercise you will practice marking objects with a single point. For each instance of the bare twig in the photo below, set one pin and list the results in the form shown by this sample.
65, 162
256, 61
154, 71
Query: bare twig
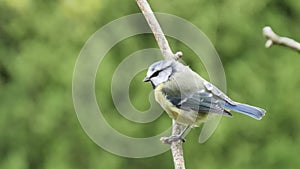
273, 38
157, 31
176, 147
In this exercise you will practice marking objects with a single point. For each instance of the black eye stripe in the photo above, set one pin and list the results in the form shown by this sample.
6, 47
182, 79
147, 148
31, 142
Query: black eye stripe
155, 73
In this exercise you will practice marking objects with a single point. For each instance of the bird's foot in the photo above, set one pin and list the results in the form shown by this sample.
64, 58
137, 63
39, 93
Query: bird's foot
173, 138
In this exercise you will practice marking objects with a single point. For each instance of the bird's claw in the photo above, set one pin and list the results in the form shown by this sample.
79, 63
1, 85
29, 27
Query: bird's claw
173, 138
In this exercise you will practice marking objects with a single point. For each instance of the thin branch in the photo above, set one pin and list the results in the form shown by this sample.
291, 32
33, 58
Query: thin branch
273, 38
157, 31
176, 147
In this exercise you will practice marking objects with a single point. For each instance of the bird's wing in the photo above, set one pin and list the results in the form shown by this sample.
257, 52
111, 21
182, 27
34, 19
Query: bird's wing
202, 101
218, 93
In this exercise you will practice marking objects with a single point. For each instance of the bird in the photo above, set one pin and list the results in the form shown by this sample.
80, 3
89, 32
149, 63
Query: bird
188, 98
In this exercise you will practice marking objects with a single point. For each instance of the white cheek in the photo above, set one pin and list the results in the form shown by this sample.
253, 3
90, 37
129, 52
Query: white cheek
159, 79
156, 81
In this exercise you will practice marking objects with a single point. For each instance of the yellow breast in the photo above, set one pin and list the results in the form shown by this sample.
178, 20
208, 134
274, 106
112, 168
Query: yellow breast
165, 103
181, 116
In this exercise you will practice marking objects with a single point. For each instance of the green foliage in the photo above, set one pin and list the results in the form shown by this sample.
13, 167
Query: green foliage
39, 44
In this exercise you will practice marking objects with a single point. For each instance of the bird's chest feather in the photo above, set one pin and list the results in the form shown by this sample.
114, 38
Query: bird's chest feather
165, 103
185, 117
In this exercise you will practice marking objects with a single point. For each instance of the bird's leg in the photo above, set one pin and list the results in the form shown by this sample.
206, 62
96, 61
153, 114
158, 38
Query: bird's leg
174, 138
183, 132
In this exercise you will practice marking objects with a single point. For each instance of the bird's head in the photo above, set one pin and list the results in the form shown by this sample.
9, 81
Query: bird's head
160, 72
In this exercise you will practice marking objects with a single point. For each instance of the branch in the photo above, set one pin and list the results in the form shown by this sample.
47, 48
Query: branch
157, 31
273, 38
176, 147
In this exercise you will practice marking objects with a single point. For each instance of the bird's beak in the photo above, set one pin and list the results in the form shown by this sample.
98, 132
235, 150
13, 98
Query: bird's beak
147, 79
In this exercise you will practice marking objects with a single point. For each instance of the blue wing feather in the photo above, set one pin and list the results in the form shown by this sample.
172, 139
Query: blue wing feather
201, 102
205, 101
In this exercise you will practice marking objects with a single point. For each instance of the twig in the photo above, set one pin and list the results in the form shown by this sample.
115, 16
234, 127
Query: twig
273, 38
157, 31
176, 147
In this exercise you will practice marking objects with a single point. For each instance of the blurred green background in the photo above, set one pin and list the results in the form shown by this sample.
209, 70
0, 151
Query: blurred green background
39, 44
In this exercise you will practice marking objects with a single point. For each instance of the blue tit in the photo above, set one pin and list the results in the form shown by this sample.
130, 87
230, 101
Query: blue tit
188, 98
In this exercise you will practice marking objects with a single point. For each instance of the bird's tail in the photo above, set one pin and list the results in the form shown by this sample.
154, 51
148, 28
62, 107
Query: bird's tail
252, 111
